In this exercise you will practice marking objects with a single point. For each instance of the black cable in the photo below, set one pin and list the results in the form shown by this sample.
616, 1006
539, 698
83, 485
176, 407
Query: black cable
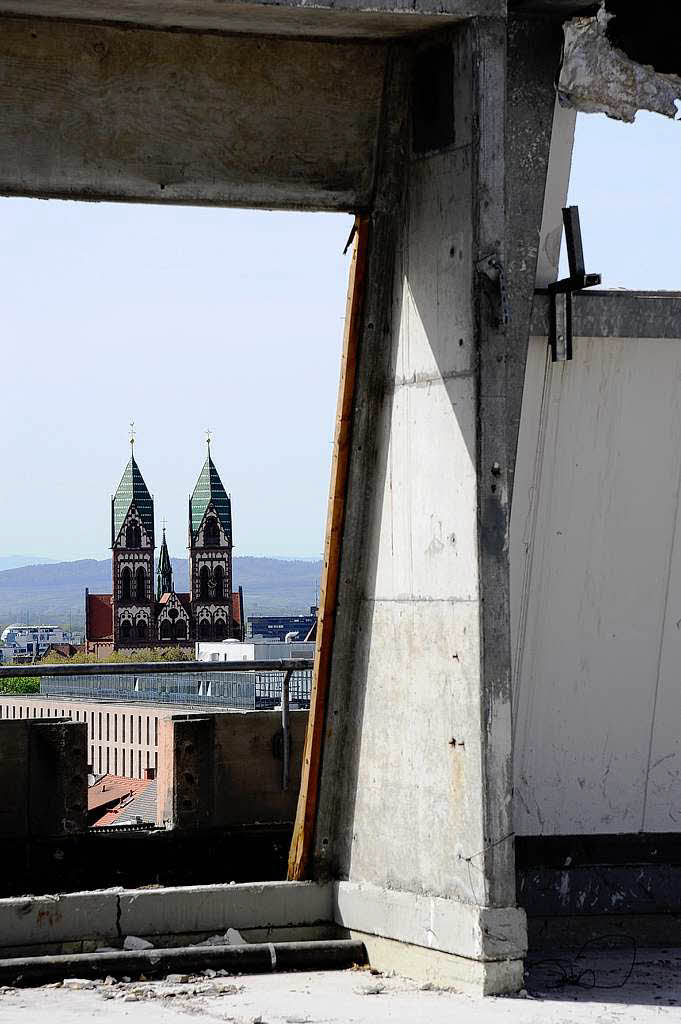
571, 973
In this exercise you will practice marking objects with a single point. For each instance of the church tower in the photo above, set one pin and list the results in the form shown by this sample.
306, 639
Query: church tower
210, 555
132, 544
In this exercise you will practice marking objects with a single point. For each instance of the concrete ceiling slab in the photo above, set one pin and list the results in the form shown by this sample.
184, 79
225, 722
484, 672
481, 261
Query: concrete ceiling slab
372, 19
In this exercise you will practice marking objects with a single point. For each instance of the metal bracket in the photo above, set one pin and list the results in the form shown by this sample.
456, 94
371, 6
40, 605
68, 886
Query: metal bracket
492, 268
561, 292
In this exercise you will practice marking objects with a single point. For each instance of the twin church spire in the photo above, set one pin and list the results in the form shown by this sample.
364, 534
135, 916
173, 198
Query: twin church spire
206, 612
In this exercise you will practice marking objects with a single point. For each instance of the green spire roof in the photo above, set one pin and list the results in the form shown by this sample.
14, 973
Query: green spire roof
132, 490
209, 489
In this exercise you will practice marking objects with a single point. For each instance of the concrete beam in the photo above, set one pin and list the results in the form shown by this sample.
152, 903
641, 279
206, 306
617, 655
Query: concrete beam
106, 917
215, 908
372, 19
95, 112
616, 314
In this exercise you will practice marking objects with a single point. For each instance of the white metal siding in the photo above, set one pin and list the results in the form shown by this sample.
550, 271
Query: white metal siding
596, 590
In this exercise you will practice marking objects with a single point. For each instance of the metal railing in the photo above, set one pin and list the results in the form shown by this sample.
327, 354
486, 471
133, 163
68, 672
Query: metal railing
270, 683
244, 685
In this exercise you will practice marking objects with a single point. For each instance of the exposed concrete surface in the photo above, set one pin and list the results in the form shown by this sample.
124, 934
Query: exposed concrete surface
109, 915
596, 77
330, 18
96, 112
483, 933
653, 993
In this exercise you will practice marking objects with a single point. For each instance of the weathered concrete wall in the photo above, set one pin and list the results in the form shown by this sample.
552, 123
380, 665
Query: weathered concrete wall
43, 778
221, 770
97, 112
415, 792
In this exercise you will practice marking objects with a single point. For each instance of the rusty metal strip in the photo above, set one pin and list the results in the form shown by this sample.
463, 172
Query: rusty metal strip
303, 833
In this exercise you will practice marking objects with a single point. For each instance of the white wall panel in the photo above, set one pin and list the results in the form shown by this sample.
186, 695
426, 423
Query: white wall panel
595, 506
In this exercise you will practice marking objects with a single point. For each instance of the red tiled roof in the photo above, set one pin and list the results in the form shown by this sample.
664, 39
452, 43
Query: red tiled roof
184, 600
99, 617
236, 607
112, 789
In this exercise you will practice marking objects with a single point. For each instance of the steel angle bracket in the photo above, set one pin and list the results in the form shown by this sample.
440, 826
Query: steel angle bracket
561, 292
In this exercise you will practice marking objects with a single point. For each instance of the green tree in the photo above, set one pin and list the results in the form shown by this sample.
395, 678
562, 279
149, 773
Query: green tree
18, 685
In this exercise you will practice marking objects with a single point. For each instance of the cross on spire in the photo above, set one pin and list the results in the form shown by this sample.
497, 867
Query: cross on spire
208, 437
132, 436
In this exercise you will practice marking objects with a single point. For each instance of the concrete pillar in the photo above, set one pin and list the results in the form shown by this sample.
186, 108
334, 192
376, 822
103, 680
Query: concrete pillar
43, 778
415, 813
186, 767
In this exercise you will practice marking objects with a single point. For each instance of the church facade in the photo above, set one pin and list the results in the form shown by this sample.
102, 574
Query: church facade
137, 614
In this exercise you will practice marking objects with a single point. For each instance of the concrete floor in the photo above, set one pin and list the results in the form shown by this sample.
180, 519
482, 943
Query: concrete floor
652, 993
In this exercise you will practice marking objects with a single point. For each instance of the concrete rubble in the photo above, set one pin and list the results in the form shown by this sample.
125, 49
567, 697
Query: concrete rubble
596, 77
651, 993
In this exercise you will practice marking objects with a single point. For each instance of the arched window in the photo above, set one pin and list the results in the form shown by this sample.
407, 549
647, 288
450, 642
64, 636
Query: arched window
166, 630
140, 584
203, 583
219, 576
141, 629
204, 629
126, 630
181, 630
220, 629
211, 532
126, 583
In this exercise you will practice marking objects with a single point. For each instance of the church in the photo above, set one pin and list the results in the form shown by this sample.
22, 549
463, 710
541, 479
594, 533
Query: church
134, 614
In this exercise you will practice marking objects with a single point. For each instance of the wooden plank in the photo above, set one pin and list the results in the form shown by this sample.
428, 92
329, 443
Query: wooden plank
303, 832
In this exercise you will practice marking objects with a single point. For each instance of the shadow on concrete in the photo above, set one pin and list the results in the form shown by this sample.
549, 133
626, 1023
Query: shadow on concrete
625, 975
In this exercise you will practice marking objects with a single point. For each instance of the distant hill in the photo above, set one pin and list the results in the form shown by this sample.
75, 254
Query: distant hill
14, 561
47, 593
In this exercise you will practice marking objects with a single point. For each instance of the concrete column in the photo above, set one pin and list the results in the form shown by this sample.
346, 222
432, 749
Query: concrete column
414, 818
43, 777
186, 769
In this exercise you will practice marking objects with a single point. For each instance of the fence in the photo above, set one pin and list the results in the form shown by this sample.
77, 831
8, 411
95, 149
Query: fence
257, 690
239, 685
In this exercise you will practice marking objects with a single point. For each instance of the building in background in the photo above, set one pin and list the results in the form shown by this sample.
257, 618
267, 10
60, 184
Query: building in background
279, 627
254, 650
27, 643
133, 615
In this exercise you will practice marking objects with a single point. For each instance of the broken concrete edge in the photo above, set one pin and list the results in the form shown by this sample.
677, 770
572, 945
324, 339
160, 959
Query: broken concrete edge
480, 934
107, 916
596, 77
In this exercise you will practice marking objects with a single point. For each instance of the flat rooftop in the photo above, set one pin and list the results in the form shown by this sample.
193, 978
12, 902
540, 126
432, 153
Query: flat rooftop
651, 993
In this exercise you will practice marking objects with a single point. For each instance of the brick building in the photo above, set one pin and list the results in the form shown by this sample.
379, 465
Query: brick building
133, 616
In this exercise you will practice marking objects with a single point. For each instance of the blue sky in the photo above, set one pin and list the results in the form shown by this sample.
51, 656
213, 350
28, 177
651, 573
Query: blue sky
183, 318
